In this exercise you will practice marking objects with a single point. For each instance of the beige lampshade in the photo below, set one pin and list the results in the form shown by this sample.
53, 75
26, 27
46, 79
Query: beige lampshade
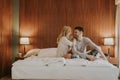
108, 41
24, 40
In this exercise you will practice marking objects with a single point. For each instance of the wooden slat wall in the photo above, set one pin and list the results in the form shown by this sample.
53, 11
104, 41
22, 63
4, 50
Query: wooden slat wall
6, 36
42, 20
0, 42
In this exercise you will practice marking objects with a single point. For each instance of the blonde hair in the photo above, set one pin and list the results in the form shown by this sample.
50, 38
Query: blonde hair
64, 32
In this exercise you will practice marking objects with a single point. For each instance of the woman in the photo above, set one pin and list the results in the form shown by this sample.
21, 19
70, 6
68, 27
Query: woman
64, 43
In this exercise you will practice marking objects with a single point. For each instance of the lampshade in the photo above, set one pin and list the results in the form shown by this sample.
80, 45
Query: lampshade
108, 41
24, 40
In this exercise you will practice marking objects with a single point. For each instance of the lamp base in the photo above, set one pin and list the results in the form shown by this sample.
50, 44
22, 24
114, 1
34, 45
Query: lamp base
109, 52
24, 50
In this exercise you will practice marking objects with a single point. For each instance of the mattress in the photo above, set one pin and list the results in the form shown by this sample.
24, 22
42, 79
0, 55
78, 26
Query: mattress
62, 69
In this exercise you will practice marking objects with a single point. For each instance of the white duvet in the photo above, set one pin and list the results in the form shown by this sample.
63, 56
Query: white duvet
60, 68
34, 60
86, 63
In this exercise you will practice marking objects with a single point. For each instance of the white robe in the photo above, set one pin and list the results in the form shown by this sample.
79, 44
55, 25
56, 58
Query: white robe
63, 46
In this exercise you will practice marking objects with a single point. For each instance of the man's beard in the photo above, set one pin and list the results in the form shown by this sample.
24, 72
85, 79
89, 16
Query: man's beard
76, 37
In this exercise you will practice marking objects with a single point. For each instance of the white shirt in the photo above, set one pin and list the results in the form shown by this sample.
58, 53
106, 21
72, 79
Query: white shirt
63, 46
80, 47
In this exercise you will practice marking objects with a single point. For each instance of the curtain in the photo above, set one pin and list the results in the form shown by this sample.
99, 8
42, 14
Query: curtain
117, 30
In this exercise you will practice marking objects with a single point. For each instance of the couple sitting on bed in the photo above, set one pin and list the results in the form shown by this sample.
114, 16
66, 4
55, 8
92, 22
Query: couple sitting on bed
77, 45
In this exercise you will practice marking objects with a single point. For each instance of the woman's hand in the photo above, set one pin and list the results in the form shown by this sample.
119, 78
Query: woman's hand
74, 41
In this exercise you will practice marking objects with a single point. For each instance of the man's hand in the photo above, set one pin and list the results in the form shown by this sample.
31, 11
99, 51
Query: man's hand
90, 57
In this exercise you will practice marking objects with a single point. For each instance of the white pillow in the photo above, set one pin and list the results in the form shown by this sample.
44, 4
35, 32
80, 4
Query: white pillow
47, 52
32, 52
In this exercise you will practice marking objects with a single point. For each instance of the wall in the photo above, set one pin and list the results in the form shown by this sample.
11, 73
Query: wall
6, 36
42, 20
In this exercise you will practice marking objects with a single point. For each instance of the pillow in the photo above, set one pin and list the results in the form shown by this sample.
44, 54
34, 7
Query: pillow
47, 52
32, 52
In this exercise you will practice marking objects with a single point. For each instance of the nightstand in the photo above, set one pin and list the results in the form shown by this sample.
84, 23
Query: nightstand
19, 58
113, 61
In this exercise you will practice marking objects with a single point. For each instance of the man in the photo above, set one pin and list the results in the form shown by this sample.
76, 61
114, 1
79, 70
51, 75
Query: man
80, 43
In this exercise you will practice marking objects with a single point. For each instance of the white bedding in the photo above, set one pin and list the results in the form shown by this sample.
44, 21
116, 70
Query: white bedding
36, 61
59, 68
83, 62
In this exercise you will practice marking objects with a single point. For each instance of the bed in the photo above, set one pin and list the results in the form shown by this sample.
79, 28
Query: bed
52, 68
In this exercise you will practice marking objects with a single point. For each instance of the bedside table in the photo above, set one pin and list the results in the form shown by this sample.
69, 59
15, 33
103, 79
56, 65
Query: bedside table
18, 58
113, 60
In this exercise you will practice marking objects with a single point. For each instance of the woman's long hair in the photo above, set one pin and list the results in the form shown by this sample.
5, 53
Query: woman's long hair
64, 32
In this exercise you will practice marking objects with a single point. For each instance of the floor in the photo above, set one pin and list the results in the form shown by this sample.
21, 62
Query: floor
9, 78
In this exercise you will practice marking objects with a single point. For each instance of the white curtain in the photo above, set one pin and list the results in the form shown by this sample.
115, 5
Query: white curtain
117, 30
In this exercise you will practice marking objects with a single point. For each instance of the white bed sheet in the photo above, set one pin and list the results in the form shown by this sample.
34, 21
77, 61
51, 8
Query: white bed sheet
73, 70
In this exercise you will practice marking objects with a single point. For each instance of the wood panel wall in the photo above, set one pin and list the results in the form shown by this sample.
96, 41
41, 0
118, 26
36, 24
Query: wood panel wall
42, 20
5, 36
